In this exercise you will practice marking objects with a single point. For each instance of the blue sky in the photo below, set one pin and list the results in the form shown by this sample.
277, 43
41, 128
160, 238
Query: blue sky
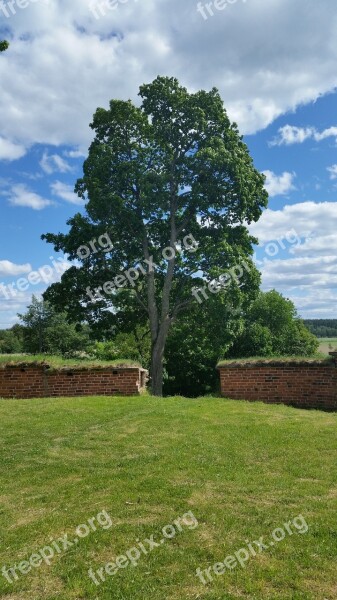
275, 66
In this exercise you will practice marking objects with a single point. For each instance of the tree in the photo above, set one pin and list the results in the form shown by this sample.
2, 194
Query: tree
322, 327
48, 331
203, 337
272, 328
10, 343
172, 168
4, 45
36, 321
65, 338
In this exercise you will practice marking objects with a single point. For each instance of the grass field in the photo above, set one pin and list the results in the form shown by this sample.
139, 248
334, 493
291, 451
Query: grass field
327, 345
242, 469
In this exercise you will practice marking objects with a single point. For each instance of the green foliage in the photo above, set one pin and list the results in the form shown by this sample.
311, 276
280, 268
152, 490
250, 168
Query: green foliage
191, 355
299, 341
172, 167
132, 346
10, 342
35, 321
45, 330
4, 45
255, 340
63, 337
272, 328
204, 335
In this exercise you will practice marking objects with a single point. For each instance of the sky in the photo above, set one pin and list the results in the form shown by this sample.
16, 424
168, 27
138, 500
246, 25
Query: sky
274, 63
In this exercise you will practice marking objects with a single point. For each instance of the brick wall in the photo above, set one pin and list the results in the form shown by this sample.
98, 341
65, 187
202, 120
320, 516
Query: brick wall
40, 381
304, 384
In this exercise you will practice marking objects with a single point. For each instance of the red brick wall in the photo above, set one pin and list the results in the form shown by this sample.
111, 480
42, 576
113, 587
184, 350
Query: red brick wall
38, 381
299, 383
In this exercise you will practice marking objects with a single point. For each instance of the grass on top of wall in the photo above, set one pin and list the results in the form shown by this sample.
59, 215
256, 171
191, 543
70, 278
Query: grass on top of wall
322, 358
60, 362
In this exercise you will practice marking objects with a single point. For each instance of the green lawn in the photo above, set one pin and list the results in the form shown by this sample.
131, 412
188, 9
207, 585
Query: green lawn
327, 345
242, 469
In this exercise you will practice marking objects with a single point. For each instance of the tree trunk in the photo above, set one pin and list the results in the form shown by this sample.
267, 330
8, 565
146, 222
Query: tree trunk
157, 374
157, 358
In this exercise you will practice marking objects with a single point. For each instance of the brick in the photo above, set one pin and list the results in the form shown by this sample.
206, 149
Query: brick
300, 384
37, 382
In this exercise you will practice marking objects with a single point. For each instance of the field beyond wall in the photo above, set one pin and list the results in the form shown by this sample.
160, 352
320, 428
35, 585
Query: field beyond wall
242, 469
327, 345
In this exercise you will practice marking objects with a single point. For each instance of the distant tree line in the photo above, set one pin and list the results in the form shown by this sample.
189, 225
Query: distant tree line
322, 328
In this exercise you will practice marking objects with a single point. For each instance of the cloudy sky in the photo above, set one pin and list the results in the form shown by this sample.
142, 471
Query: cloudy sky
274, 62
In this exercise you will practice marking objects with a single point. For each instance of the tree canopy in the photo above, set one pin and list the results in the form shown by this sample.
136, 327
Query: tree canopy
48, 331
272, 327
173, 169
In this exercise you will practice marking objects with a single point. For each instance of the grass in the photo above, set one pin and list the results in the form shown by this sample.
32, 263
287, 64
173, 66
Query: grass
60, 362
242, 469
317, 357
327, 345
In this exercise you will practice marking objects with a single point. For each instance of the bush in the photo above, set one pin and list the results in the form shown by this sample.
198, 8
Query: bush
124, 346
10, 343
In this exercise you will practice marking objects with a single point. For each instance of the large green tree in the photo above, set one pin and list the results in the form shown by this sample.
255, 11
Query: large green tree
172, 167
3, 45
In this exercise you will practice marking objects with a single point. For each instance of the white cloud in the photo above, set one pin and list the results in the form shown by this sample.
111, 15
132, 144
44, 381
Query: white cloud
11, 305
12, 300
53, 163
9, 269
279, 185
66, 192
74, 153
309, 219
57, 76
20, 195
301, 272
321, 304
10, 150
333, 171
303, 238
290, 134
318, 245
330, 132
